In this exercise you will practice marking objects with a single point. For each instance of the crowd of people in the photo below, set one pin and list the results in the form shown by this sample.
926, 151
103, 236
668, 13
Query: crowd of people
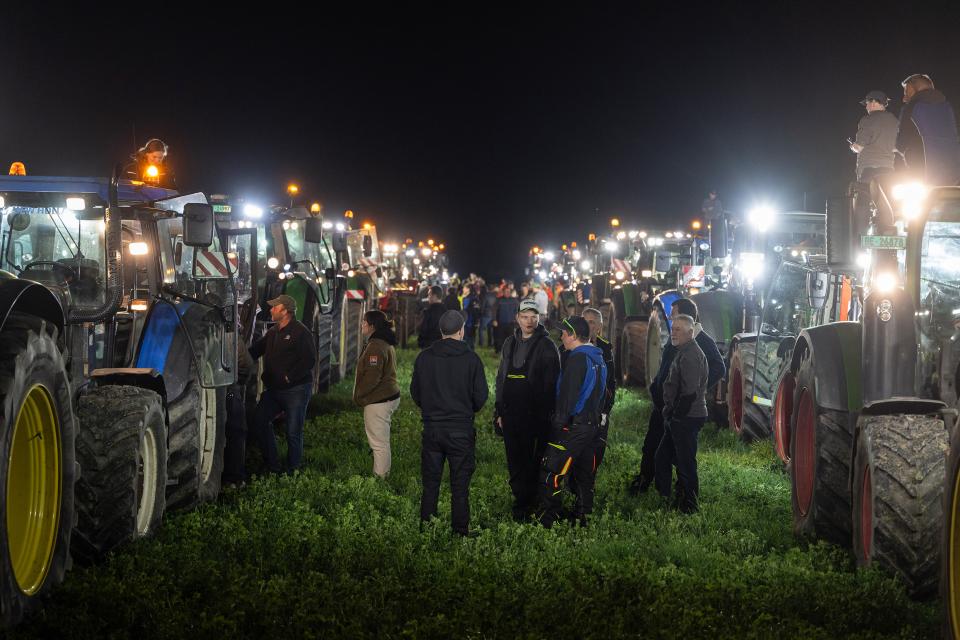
552, 403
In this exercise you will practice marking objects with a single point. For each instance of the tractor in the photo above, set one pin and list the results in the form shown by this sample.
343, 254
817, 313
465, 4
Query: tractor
115, 358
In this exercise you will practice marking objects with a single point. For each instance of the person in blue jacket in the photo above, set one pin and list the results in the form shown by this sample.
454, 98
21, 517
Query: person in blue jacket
928, 133
581, 390
642, 481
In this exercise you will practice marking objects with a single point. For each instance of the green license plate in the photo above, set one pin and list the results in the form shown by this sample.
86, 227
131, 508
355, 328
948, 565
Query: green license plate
883, 242
222, 208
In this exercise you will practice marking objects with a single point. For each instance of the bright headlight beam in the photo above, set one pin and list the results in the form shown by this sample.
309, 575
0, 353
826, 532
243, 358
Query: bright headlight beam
761, 217
252, 211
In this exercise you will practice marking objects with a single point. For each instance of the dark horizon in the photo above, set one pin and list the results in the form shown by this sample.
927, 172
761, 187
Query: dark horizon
489, 134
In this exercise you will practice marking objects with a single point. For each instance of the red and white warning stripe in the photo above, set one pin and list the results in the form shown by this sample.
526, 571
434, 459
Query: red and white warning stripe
355, 294
210, 263
370, 266
620, 265
695, 276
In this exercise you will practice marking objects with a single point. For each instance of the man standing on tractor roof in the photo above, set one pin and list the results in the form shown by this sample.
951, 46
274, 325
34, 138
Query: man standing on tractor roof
876, 138
289, 355
712, 207
928, 133
525, 394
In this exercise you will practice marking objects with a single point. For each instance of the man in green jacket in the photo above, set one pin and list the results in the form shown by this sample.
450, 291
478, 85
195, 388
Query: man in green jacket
376, 388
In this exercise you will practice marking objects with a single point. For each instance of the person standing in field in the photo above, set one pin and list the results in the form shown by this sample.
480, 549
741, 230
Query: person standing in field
375, 387
450, 387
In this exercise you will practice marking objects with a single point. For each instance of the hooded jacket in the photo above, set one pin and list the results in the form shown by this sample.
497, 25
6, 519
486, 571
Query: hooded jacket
376, 379
543, 369
448, 384
928, 138
581, 387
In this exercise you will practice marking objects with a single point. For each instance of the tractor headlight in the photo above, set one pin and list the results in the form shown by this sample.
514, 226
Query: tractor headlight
252, 211
761, 218
911, 197
273, 262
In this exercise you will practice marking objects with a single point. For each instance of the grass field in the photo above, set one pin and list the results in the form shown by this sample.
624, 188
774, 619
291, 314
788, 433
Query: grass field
334, 552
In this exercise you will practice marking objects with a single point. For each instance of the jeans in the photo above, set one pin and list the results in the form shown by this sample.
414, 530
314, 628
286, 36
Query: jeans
456, 445
679, 447
294, 403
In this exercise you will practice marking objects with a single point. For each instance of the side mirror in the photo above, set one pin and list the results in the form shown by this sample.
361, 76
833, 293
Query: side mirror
842, 245
339, 242
367, 246
329, 274
313, 230
197, 225
661, 262
817, 288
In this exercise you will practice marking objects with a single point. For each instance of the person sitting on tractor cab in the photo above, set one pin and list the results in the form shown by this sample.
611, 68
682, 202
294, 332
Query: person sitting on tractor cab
148, 164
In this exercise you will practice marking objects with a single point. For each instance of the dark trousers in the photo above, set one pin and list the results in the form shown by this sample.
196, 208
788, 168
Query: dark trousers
235, 450
524, 439
599, 447
293, 402
485, 332
457, 446
651, 443
679, 447
568, 455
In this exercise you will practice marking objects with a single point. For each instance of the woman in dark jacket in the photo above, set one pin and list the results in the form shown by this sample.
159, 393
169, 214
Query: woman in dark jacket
376, 388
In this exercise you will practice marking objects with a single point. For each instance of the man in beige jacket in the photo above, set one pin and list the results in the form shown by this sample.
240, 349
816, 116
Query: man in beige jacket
376, 388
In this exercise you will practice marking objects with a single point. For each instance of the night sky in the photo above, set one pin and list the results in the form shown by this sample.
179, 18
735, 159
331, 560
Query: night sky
491, 132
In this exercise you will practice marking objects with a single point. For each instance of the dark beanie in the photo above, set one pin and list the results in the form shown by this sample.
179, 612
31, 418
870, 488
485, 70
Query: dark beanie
451, 322
575, 325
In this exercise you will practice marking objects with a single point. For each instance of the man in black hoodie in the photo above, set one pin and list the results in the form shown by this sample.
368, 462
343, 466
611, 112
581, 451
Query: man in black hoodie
428, 330
449, 386
526, 392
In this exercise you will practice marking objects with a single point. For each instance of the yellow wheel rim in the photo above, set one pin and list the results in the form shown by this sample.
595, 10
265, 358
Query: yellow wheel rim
953, 561
34, 490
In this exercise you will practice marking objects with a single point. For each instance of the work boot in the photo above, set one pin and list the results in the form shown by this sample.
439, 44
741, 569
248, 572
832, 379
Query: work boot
639, 485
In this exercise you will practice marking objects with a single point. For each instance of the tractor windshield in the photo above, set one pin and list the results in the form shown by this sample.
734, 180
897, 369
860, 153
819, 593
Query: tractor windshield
53, 246
940, 267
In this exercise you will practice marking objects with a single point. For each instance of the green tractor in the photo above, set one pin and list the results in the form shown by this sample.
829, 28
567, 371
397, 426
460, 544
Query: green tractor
115, 360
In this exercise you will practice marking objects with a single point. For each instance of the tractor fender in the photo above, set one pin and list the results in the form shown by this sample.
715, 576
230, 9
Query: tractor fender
30, 297
634, 305
835, 349
149, 379
665, 300
721, 314
166, 345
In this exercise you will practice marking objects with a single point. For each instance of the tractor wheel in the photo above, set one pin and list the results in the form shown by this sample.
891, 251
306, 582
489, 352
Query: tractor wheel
821, 448
340, 368
950, 541
747, 419
782, 415
324, 333
658, 334
355, 312
898, 473
122, 450
37, 466
197, 421
633, 346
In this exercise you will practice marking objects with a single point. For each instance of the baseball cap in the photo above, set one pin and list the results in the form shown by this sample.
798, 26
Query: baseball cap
528, 305
286, 301
451, 322
878, 96
576, 325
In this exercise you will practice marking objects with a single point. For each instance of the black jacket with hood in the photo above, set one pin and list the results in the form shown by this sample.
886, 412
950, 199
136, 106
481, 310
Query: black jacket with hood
543, 369
448, 384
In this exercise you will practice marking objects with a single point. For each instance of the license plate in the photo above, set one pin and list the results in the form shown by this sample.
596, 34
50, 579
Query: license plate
883, 242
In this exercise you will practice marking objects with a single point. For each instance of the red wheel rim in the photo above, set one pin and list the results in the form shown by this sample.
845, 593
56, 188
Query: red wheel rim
803, 454
782, 412
737, 393
866, 515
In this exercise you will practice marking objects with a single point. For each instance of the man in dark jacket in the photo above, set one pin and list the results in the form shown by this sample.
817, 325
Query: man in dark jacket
505, 318
526, 392
717, 369
684, 412
569, 452
289, 355
428, 330
452, 301
928, 133
488, 307
450, 387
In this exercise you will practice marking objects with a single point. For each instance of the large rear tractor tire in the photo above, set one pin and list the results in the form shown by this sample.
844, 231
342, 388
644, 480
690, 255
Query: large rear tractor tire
355, 311
748, 420
338, 368
324, 335
38, 468
783, 414
821, 450
197, 420
898, 497
122, 449
633, 346
658, 334
950, 541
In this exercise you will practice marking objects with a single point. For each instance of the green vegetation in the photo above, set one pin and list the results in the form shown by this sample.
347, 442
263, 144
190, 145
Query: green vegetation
333, 552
